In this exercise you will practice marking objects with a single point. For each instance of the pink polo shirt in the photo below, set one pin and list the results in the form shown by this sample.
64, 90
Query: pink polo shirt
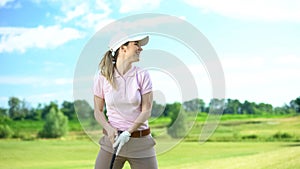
123, 104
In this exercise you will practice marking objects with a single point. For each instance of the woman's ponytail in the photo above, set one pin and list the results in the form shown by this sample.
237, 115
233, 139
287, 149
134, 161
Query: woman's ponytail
107, 66
108, 63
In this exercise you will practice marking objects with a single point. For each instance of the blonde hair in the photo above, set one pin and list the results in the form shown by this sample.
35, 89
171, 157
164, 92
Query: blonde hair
107, 65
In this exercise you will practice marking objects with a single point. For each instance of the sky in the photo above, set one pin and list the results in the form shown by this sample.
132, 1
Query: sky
256, 41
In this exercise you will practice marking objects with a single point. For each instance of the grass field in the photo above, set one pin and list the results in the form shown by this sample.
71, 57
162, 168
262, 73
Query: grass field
243, 128
80, 154
238, 142
230, 128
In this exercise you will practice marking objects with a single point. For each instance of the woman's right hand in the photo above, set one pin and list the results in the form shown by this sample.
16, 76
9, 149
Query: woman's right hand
111, 133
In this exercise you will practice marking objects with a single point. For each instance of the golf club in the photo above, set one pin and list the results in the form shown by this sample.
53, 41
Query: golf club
115, 154
113, 158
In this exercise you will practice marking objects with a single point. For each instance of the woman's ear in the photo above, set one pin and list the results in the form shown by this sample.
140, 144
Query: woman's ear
123, 48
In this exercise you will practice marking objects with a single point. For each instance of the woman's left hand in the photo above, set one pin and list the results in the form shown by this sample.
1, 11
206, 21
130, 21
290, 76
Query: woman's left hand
121, 140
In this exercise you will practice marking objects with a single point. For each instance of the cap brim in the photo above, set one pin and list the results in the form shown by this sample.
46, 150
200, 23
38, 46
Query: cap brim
143, 40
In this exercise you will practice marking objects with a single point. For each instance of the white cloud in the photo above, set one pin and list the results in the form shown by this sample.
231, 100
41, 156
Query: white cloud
139, 25
94, 20
138, 5
102, 5
78, 11
3, 3
20, 39
10, 4
270, 10
8, 80
90, 14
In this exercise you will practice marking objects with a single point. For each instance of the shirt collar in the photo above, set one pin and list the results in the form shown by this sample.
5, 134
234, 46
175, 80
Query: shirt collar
129, 73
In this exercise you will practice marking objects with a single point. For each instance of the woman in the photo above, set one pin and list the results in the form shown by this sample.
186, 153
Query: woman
126, 90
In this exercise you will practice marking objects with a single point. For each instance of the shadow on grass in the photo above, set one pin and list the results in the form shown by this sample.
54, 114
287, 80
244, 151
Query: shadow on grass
292, 145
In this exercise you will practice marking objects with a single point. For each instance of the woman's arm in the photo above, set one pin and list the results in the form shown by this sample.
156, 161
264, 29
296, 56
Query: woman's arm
100, 118
146, 112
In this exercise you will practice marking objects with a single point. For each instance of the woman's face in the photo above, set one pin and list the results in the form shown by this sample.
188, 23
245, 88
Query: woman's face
132, 51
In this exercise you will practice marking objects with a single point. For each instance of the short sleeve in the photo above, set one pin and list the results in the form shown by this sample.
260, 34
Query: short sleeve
98, 86
145, 82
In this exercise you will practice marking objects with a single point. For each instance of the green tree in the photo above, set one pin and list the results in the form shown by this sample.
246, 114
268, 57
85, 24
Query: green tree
25, 108
195, 105
3, 112
173, 111
35, 113
216, 106
56, 125
157, 109
177, 128
248, 107
47, 108
166, 110
232, 107
264, 108
69, 110
283, 110
295, 104
83, 110
14, 110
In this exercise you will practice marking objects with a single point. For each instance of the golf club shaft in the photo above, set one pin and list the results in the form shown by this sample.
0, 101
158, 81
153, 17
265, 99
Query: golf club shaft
113, 158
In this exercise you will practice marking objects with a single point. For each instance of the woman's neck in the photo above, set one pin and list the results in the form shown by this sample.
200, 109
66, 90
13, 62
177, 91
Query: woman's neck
123, 66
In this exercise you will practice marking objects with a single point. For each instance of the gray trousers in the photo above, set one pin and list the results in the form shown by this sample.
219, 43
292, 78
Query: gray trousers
139, 152
104, 158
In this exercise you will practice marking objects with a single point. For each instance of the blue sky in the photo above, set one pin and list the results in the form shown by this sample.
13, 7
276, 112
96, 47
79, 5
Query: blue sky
257, 43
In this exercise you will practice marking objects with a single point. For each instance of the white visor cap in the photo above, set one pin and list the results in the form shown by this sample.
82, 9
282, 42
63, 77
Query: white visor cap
142, 40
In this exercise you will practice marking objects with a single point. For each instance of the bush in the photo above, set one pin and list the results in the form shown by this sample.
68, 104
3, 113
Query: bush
280, 135
56, 125
5, 131
252, 136
23, 136
178, 128
4, 119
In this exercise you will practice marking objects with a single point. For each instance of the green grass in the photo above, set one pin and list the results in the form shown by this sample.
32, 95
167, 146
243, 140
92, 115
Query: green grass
256, 142
29, 126
28, 129
252, 129
232, 155
26, 126
81, 154
230, 128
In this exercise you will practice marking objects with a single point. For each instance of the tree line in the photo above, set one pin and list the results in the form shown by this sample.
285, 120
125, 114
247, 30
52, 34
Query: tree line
21, 110
230, 106
56, 116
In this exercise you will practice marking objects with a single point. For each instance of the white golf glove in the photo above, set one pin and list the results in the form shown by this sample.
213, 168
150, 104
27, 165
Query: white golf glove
121, 140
